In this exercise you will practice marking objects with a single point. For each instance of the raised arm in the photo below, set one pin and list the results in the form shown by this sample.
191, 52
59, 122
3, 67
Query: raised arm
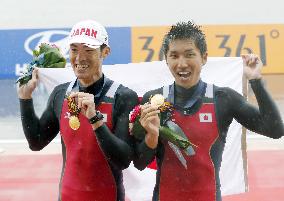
264, 119
38, 131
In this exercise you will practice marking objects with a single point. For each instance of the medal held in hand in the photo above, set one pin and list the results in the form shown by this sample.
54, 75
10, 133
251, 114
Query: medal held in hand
74, 122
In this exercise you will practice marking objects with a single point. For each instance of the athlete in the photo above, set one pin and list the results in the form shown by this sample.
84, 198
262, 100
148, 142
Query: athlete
91, 114
204, 113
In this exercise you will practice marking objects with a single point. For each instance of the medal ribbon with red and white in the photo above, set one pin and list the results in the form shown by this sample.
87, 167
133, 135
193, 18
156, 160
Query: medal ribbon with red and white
74, 111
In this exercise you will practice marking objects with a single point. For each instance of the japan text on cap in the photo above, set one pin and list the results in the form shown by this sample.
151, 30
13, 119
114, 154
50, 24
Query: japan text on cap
90, 33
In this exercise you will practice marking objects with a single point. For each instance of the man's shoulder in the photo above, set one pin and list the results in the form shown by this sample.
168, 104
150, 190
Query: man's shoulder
61, 88
150, 93
223, 90
125, 98
226, 94
125, 92
154, 91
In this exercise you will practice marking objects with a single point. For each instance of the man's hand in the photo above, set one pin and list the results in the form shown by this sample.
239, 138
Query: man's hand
150, 121
252, 66
25, 91
86, 102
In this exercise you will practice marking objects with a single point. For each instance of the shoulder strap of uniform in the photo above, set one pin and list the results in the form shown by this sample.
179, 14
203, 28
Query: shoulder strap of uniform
109, 88
209, 91
111, 91
166, 91
71, 85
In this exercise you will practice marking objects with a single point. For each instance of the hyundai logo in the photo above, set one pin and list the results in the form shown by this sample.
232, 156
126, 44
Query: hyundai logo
57, 37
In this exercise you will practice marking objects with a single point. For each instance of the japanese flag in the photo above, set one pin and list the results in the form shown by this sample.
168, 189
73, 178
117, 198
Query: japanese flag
205, 117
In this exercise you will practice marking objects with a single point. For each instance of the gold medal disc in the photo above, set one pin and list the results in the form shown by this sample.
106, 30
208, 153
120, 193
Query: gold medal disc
157, 100
74, 122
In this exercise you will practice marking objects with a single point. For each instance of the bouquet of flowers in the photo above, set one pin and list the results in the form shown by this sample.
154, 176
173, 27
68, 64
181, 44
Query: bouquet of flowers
48, 56
168, 129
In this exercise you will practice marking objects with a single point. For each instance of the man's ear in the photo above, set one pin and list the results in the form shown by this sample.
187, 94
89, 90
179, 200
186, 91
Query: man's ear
105, 52
204, 58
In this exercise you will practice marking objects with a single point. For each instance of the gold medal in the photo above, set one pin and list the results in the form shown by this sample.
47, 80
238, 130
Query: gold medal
74, 122
157, 99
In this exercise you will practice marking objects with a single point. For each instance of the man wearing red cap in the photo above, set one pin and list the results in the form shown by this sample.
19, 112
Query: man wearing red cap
91, 114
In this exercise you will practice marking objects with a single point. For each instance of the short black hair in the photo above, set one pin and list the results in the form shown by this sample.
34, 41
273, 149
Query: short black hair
102, 46
183, 31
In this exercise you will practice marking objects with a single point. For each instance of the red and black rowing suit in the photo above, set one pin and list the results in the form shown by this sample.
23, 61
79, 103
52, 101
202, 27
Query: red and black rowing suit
92, 160
204, 113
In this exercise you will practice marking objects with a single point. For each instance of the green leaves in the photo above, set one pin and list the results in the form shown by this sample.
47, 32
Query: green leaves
166, 133
173, 137
48, 56
53, 59
138, 131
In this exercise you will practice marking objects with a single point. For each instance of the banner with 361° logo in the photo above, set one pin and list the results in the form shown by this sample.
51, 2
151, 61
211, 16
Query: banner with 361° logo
266, 40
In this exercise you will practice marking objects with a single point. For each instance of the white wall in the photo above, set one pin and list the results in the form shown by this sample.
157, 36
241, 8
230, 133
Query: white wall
64, 13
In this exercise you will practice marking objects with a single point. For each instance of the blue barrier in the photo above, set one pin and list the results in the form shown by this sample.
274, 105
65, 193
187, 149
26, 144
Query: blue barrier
17, 45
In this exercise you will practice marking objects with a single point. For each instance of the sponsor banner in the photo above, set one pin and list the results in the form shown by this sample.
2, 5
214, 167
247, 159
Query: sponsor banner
233, 40
17, 45
222, 41
140, 44
147, 43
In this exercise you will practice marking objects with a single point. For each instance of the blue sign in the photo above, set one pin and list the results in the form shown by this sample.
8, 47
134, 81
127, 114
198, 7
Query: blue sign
17, 45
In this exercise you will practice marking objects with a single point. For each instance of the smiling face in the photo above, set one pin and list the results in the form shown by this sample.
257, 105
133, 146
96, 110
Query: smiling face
185, 62
87, 62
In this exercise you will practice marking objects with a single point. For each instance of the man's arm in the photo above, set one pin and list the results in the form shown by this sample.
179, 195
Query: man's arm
146, 149
144, 155
38, 131
265, 120
117, 147
268, 119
